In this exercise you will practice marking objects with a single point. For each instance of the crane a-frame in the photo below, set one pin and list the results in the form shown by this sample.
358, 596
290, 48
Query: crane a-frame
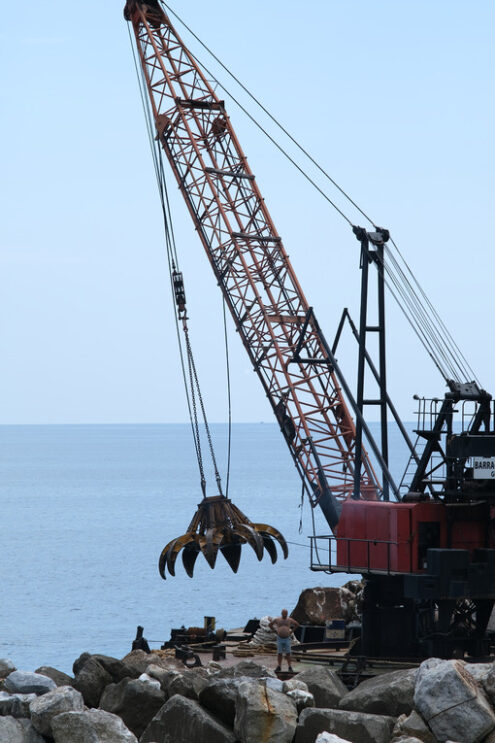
428, 559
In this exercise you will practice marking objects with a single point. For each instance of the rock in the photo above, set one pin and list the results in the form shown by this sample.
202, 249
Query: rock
352, 726
6, 667
160, 674
43, 709
294, 683
79, 662
263, 714
149, 680
15, 705
274, 684
219, 697
135, 702
387, 694
26, 682
247, 668
139, 661
324, 685
316, 605
60, 678
90, 726
91, 681
479, 671
451, 702
188, 684
302, 699
413, 726
489, 684
330, 738
183, 720
406, 739
117, 669
18, 731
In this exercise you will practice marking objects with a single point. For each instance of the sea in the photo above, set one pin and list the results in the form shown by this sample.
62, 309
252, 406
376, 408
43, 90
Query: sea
87, 509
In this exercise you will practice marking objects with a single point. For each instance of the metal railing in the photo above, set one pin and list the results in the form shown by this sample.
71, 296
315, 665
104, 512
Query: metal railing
337, 565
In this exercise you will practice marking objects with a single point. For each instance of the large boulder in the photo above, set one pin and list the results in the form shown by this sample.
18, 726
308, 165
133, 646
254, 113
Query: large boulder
324, 685
90, 726
353, 726
188, 684
330, 738
6, 667
91, 681
60, 678
26, 682
219, 697
135, 702
18, 731
387, 694
15, 705
489, 684
246, 668
302, 699
413, 726
451, 702
263, 714
117, 669
43, 709
183, 720
139, 661
316, 605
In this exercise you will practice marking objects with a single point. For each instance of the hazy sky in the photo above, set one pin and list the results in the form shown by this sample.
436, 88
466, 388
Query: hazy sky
394, 98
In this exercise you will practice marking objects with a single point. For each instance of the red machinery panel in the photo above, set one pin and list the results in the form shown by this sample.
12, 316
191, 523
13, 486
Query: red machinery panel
394, 537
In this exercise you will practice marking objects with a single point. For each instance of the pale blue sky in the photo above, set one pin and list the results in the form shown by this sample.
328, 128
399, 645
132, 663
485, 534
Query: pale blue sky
395, 98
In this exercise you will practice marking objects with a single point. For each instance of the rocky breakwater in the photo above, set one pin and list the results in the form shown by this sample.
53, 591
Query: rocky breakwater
148, 698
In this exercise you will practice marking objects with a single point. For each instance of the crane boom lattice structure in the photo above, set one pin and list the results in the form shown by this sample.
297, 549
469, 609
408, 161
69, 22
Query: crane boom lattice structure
271, 314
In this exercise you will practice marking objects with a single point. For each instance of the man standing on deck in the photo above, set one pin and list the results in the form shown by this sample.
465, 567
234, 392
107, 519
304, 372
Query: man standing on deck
283, 626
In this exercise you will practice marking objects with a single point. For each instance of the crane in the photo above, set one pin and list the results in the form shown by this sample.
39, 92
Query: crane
428, 557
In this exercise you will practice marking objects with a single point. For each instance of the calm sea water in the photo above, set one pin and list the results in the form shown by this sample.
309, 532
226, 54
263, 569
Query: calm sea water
86, 511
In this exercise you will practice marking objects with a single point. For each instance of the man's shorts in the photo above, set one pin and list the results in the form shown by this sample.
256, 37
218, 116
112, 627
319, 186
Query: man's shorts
283, 645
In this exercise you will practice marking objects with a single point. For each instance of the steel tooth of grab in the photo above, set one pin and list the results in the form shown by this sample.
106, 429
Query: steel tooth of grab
246, 531
164, 554
231, 551
174, 549
269, 546
275, 534
209, 545
189, 557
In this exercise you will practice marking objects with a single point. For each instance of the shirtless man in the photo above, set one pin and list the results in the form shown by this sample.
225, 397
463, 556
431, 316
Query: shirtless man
283, 627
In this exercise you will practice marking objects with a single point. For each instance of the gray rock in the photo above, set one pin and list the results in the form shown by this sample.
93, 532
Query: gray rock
91, 681
406, 739
247, 668
60, 678
294, 683
160, 674
90, 726
414, 726
263, 714
451, 702
79, 662
18, 731
15, 705
489, 684
274, 684
183, 720
330, 738
139, 661
118, 669
145, 678
188, 684
219, 697
387, 694
324, 685
43, 709
479, 671
302, 699
135, 702
26, 682
354, 726
6, 667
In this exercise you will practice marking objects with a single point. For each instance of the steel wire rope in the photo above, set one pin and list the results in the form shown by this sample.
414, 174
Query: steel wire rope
229, 396
456, 370
172, 259
435, 334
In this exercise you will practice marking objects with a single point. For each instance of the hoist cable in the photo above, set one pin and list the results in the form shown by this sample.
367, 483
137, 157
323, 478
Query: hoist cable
229, 396
267, 112
172, 259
